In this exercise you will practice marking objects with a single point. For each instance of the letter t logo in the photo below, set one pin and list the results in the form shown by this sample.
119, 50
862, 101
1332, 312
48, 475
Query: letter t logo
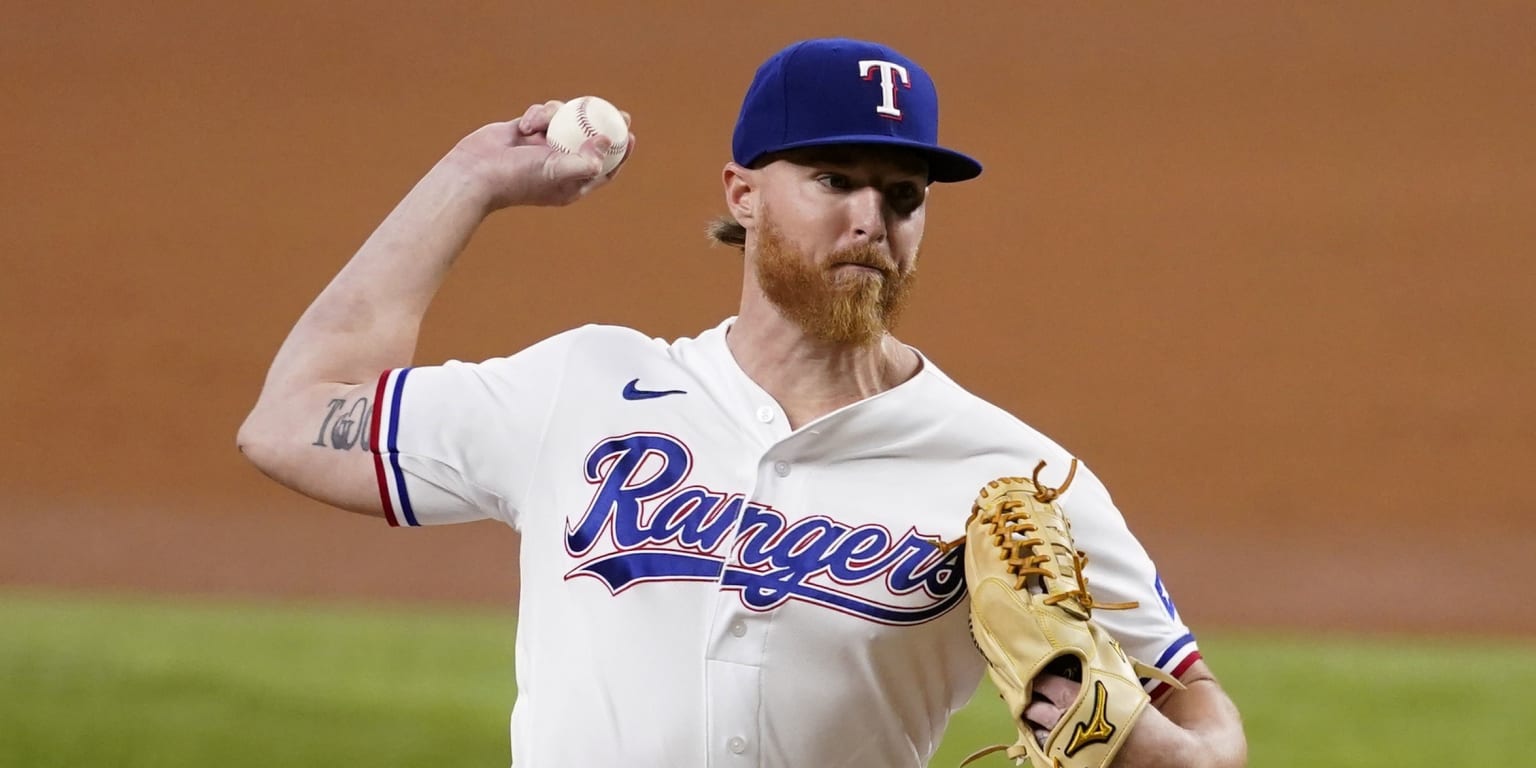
890, 72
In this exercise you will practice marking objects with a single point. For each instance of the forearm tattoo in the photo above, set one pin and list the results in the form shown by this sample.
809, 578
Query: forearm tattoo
345, 426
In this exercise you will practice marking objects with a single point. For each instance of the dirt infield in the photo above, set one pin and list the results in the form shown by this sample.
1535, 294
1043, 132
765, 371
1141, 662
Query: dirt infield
1267, 270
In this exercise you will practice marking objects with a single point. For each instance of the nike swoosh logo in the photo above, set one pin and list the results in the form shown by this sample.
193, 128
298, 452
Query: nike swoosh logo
632, 392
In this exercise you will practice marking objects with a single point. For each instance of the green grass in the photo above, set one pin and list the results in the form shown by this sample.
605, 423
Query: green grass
95, 683
157, 683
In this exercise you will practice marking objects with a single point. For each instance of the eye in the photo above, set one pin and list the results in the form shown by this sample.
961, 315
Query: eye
834, 181
905, 197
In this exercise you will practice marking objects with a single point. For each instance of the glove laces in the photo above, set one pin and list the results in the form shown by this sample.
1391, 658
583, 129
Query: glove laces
1016, 534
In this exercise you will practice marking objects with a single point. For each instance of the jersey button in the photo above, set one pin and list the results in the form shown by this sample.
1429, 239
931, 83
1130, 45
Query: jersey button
737, 744
738, 629
782, 468
765, 414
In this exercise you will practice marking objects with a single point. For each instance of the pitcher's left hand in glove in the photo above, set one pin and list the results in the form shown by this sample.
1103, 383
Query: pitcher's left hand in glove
1031, 617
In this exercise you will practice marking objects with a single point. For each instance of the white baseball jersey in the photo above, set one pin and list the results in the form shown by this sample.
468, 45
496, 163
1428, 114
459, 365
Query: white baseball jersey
702, 585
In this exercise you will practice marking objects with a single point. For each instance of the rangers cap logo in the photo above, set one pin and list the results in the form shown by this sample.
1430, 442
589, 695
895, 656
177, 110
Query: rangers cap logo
891, 74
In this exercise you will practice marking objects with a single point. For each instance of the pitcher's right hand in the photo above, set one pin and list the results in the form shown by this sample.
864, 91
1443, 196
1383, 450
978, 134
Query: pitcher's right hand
516, 165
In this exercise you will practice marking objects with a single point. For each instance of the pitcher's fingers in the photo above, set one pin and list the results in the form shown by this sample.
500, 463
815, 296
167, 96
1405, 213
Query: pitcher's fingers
1061, 691
525, 122
1043, 715
629, 149
596, 148
593, 151
536, 118
572, 170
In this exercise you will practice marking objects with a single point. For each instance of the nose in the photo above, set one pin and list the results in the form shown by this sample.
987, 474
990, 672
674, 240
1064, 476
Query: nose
867, 212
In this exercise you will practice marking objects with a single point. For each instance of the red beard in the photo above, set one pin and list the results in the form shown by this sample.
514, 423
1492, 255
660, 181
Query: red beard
841, 305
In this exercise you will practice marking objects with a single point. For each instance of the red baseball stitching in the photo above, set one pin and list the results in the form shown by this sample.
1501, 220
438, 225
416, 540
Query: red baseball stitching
586, 127
581, 119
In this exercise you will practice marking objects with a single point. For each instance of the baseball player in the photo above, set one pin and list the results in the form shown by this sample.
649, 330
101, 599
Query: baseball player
731, 543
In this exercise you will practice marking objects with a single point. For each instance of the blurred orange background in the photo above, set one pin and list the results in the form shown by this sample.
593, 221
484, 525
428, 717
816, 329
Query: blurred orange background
1265, 266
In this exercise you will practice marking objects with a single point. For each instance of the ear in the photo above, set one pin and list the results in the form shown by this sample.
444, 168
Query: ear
740, 192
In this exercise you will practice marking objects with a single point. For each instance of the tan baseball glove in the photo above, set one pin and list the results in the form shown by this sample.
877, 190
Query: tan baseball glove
1031, 612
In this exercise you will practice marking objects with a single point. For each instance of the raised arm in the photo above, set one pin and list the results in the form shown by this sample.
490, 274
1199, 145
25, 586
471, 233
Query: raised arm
308, 428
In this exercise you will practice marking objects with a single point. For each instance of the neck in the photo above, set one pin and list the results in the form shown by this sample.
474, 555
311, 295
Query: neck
808, 377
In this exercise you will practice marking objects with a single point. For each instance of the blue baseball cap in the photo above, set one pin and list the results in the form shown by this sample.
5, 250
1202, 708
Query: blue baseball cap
840, 91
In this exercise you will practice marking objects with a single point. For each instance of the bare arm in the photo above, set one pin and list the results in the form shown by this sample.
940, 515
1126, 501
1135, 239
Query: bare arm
308, 428
1198, 727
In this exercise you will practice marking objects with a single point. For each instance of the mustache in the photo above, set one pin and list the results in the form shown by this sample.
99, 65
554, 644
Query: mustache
864, 256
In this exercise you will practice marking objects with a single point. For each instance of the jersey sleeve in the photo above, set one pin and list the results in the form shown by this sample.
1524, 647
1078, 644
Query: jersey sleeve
457, 442
1120, 570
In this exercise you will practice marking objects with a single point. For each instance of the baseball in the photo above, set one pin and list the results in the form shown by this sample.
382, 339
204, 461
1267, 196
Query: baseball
585, 117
